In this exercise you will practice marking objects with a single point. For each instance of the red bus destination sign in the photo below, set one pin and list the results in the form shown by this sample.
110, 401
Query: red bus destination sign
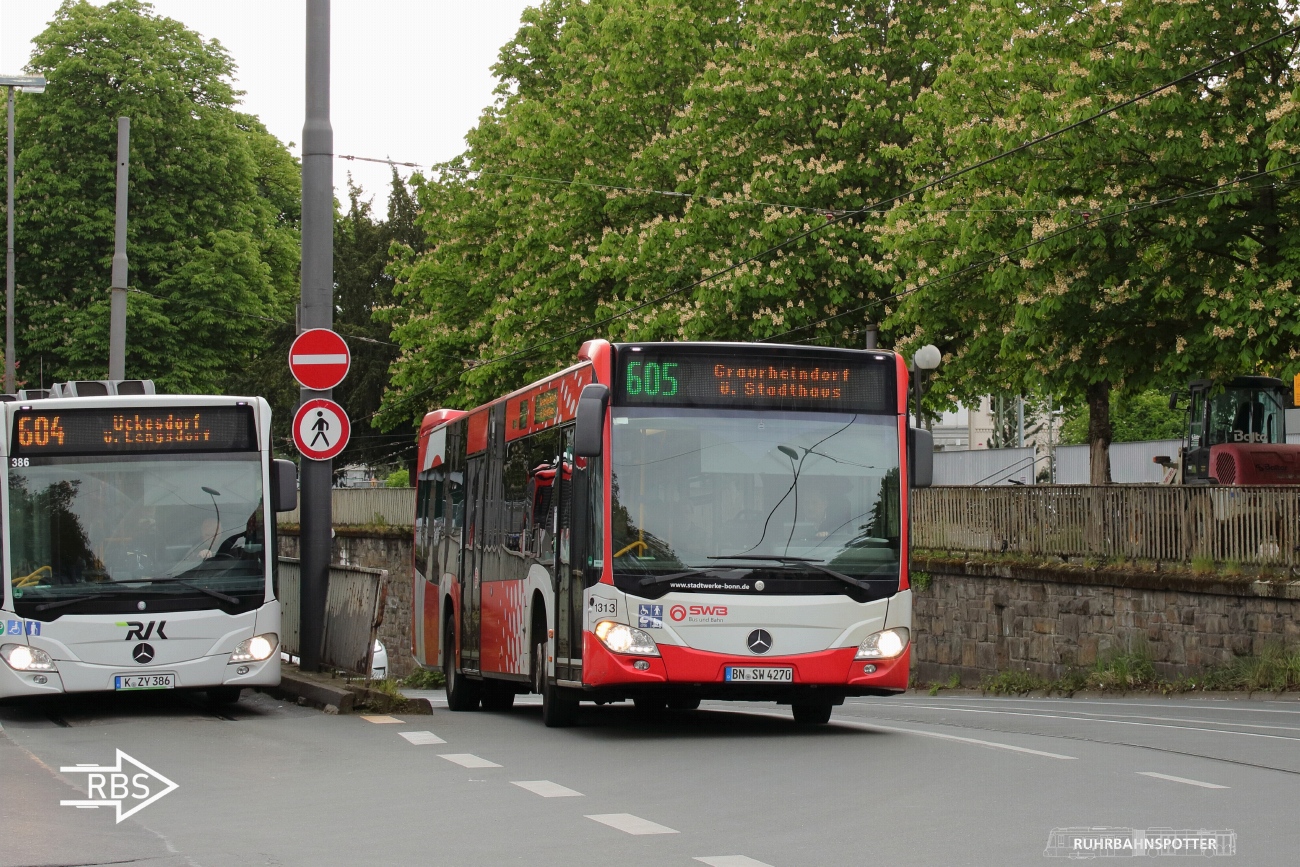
780, 379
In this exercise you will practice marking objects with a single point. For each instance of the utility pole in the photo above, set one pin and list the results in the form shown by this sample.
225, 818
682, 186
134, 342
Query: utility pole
316, 310
30, 84
117, 307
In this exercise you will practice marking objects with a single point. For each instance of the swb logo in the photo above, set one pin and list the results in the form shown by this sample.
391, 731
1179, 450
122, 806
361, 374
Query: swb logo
121, 785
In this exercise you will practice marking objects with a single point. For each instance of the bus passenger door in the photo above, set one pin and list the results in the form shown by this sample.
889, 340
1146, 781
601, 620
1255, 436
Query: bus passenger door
470, 578
570, 569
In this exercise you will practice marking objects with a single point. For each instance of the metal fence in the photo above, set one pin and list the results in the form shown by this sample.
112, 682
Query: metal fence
1144, 522
986, 467
1130, 463
367, 506
354, 607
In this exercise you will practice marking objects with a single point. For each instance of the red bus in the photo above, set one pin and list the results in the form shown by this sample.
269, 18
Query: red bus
671, 522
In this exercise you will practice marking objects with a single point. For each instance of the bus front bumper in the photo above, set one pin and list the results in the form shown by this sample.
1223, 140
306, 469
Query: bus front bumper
705, 673
203, 673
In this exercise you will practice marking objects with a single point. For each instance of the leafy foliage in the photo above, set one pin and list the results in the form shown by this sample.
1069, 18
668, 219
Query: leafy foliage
1142, 416
214, 205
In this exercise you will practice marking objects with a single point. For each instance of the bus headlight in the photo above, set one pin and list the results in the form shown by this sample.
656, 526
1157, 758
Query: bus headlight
20, 657
621, 638
255, 649
883, 645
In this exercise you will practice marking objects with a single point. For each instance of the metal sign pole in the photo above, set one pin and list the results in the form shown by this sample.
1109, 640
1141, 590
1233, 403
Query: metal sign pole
316, 311
117, 308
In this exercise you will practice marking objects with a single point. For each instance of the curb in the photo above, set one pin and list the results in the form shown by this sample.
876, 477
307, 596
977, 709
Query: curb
331, 699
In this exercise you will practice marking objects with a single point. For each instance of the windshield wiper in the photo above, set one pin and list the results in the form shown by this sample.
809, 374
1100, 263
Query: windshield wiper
215, 594
796, 561
673, 576
47, 606
779, 558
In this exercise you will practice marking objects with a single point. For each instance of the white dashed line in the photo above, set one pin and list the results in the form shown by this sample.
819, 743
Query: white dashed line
629, 824
419, 738
731, 861
1181, 780
468, 760
976, 741
380, 718
546, 788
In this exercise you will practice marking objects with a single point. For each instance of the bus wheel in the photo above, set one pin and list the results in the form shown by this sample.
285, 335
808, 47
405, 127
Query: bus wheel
498, 697
811, 712
684, 702
462, 694
224, 694
559, 705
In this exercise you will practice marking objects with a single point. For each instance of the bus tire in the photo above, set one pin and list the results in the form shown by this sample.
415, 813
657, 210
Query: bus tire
684, 702
462, 693
223, 694
559, 705
498, 697
812, 712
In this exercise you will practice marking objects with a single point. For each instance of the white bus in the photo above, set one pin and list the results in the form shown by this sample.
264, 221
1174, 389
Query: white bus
139, 549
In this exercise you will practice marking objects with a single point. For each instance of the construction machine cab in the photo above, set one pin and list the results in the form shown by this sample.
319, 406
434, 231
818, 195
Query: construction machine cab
1247, 410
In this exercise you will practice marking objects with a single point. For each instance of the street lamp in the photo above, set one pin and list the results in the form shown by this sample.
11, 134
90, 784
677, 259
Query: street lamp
29, 84
926, 358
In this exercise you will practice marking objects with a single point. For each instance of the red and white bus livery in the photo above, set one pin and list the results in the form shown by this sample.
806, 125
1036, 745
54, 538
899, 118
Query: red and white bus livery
672, 522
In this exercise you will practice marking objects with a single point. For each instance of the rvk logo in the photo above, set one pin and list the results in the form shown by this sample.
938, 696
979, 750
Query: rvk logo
118, 786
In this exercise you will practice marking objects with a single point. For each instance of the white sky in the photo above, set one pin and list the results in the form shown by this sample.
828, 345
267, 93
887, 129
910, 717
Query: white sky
409, 77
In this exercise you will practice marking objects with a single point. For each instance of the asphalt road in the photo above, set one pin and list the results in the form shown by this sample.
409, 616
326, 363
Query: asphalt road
945, 780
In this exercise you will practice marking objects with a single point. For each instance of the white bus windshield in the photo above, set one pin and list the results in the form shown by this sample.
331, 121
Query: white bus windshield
706, 489
104, 534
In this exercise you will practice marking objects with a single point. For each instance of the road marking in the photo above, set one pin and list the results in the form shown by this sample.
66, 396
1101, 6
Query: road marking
1118, 722
731, 861
419, 738
380, 718
872, 727
629, 824
1181, 780
1212, 706
468, 760
977, 741
546, 788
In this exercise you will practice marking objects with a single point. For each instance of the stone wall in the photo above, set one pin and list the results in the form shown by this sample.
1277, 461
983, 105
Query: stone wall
978, 618
372, 549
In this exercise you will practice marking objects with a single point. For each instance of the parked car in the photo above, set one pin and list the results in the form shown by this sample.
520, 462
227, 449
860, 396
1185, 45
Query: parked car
379, 663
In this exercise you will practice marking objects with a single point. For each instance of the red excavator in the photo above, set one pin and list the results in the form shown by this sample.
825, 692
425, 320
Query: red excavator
1236, 435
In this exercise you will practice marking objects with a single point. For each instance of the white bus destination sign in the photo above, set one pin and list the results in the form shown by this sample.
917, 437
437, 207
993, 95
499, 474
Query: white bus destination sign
39, 433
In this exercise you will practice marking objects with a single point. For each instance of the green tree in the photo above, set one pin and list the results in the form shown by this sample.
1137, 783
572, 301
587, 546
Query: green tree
1134, 418
1098, 262
214, 205
639, 148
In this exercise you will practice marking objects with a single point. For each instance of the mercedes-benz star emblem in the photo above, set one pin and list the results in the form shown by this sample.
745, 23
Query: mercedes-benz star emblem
759, 641
142, 654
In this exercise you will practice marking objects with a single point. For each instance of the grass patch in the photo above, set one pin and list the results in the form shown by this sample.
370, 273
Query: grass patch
922, 580
1203, 565
1275, 669
425, 678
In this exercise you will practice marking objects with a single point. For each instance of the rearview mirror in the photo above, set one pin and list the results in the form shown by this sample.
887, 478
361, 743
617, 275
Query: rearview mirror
920, 457
589, 438
1173, 399
284, 485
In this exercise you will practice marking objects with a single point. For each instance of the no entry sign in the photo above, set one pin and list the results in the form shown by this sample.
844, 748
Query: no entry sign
321, 429
319, 359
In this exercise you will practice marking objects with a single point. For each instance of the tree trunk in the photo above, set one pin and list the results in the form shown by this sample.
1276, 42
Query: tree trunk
1099, 433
